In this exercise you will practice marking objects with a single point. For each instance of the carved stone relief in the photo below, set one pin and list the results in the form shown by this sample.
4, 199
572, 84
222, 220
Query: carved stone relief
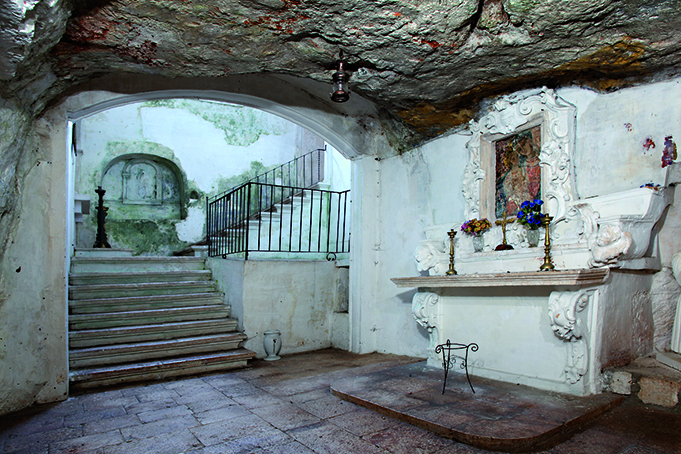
140, 182
431, 257
143, 181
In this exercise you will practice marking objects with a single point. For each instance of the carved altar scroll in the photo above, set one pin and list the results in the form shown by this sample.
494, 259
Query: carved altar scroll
426, 307
564, 310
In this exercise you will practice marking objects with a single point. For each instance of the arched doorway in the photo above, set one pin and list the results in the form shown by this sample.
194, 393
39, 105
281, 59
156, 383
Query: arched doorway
191, 148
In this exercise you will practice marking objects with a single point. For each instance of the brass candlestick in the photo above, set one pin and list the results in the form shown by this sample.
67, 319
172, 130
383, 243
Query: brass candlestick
547, 265
451, 271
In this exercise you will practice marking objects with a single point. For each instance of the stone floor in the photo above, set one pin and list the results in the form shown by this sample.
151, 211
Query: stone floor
283, 407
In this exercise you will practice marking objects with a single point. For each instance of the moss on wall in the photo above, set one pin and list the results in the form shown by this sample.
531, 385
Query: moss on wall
242, 125
226, 183
145, 237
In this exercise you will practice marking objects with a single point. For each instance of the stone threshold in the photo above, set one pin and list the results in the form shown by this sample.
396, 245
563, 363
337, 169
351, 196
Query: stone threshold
499, 416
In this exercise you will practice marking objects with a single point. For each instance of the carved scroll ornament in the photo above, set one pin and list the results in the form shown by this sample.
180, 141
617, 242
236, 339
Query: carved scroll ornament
431, 257
564, 308
607, 242
425, 307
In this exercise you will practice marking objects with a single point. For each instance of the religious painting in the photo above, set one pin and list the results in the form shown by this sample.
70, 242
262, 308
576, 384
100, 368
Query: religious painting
518, 173
524, 143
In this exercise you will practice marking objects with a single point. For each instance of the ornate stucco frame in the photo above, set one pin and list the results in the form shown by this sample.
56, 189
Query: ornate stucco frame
508, 116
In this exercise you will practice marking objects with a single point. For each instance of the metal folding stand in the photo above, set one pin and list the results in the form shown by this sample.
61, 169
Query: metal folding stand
446, 350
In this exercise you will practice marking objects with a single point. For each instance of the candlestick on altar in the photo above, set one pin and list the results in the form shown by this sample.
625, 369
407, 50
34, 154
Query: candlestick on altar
548, 264
451, 271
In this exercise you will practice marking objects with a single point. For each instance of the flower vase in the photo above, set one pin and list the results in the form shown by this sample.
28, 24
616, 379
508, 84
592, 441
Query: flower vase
478, 243
532, 237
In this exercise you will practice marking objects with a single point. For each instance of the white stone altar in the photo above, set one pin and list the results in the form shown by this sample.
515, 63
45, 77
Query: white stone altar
554, 330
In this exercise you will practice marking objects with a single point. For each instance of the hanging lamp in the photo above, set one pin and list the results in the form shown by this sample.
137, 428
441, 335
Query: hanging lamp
340, 89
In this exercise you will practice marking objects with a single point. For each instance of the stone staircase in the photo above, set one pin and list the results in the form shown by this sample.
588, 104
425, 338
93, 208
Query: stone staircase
146, 318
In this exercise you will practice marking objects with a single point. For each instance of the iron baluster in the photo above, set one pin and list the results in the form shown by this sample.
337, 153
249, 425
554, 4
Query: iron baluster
290, 228
300, 229
328, 223
345, 220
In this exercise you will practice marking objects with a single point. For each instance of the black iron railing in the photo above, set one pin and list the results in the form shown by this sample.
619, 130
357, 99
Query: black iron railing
258, 217
302, 172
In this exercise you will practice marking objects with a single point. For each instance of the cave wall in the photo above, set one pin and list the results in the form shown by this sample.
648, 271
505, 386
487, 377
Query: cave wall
33, 338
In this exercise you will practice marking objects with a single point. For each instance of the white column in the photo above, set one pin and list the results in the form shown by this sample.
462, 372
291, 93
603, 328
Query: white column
676, 333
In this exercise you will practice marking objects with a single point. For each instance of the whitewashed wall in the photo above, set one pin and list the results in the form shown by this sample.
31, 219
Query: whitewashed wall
297, 298
204, 151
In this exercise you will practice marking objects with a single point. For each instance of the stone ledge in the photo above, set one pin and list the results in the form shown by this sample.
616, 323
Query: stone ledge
582, 277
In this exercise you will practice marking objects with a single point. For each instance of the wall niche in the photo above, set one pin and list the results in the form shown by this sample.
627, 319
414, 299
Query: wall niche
141, 186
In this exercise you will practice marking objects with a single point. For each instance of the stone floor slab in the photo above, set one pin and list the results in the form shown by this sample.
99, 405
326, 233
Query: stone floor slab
361, 421
176, 442
326, 438
246, 428
531, 418
326, 407
285, 416
88, 442
222, 413
162, 426
214, 423
406, 439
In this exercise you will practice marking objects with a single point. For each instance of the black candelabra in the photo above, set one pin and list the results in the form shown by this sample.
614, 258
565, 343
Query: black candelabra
101, 241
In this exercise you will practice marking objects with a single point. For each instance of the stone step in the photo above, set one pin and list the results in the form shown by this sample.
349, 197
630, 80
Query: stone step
137, 263
161, 369
147, 317
103, 252
139, 303
144, 351
80, 292
139, 277
148, 333
651, 380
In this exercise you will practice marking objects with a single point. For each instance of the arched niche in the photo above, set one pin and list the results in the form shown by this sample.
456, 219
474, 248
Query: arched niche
142, 186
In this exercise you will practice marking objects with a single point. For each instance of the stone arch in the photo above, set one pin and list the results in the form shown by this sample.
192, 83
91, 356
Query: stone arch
353, 133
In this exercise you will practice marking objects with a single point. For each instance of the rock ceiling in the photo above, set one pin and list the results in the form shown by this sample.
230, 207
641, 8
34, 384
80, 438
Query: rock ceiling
425, 63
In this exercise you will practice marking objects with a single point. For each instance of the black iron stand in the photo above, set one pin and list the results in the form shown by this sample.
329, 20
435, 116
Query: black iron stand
101, 241
446, 350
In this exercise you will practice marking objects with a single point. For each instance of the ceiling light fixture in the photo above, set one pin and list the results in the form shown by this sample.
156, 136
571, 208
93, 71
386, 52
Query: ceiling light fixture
340, 89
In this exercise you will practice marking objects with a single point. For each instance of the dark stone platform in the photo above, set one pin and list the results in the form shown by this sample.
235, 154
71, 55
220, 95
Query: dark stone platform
499, 416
